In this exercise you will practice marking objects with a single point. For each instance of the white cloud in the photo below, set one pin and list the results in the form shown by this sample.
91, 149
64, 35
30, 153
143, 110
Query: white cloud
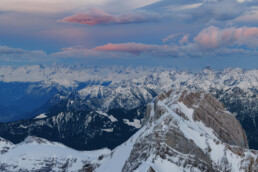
18, 54
170, 37
251, 16
184, 7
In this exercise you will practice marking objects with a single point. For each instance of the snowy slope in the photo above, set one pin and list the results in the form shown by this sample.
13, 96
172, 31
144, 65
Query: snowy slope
5, 145
41, 155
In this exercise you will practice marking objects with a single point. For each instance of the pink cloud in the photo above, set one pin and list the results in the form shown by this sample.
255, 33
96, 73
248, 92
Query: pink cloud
133, 48
213, 37
118, 50
97, 16
138, 49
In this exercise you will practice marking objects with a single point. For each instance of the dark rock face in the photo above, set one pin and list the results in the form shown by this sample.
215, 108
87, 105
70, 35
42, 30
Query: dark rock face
213, 114
244, 103
81, 129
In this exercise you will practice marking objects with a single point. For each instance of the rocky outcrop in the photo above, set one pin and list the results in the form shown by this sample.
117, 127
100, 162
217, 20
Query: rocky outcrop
213, 114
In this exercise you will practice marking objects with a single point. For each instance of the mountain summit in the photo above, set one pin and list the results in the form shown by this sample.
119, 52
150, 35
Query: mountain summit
185, 131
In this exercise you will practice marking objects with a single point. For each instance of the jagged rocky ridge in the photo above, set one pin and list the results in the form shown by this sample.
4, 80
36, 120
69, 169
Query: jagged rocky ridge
183, 131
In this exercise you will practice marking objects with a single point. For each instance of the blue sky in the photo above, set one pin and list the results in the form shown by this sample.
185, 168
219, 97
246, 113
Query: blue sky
180, 33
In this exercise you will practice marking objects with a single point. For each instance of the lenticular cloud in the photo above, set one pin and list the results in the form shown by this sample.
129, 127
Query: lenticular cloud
97, 17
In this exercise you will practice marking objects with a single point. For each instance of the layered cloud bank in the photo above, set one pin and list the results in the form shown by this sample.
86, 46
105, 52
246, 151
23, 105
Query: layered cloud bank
210, 41
62, 30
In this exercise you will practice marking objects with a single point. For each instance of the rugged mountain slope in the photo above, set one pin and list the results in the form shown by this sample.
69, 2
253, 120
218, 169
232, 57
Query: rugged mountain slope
185, 132
182, 131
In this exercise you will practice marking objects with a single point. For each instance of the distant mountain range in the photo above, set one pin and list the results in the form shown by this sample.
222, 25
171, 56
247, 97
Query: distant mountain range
92, 104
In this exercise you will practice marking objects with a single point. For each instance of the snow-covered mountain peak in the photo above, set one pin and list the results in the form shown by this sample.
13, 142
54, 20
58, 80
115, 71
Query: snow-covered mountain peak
181, 132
